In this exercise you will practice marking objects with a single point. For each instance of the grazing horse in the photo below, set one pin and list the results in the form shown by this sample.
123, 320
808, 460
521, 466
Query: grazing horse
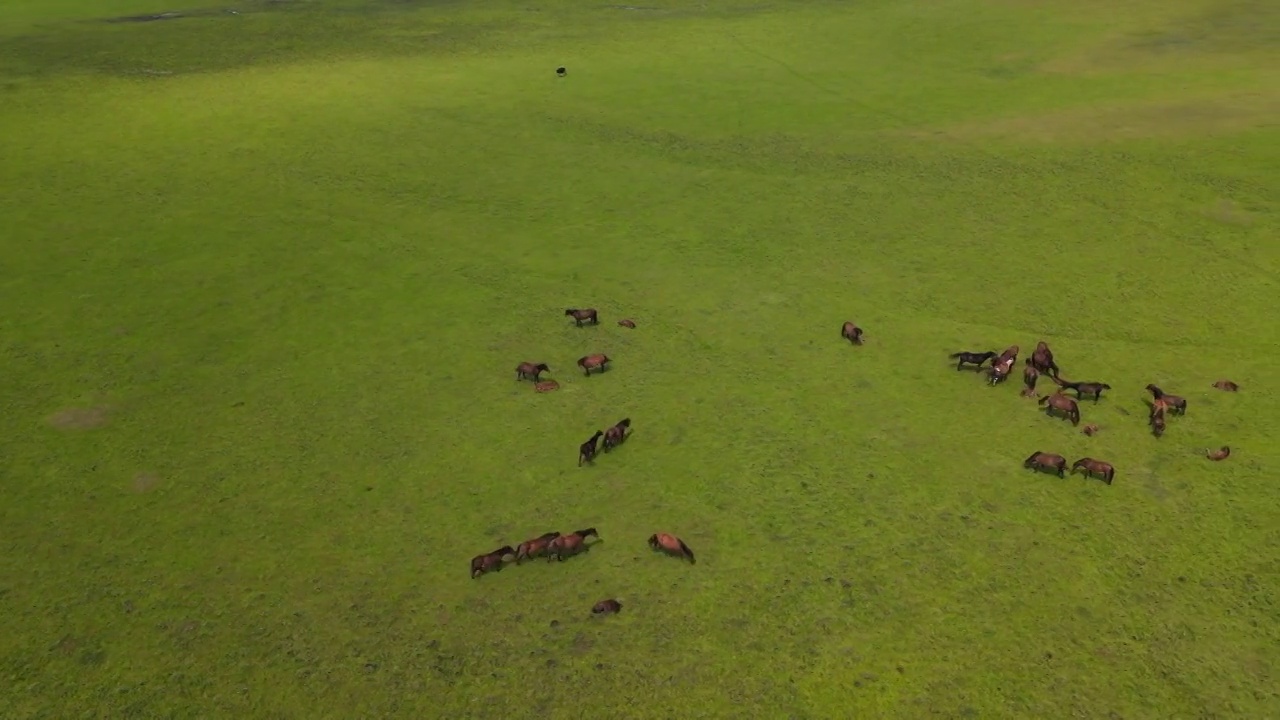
972, 358
1083, 388
1090, 429
1046, 461
1220, 454
671, 545
627, 323
1093, 467
1062, 404
593, 362
1157, 418
606, 607
536, 547
1226, 385
489, 562
614, 436
1030, 375
569, 545
530, 370
587, 450
584, 315
1042, 359
1174, 402
852, 333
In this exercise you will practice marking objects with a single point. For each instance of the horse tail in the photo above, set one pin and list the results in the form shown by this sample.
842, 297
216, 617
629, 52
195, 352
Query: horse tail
687, 552
1059, 381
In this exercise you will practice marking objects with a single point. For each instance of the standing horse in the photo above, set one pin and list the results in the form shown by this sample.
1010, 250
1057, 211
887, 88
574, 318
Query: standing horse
852, 333
972, 358
1083, 388
587, 450
489, 562
583, 316
536, 547
531, 370
1046, 461
569, 545
614, 436
1157, 418
1093, 467
1030, 375
1003, 365
1174, 402
671, 545
1058, 402
593, 362
1042, 358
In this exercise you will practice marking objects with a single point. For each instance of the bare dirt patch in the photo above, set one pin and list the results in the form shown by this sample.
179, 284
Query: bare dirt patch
145, 482
86, 418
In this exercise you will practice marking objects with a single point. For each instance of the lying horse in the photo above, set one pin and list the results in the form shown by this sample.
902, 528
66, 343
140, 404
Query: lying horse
569, 545
614, 436
1046, 461
583, 315
1174, 402
1093, 467
587, 450
1226, 385
671, 545
1083, 388
527, 370
1060, 403
852, 333
1220, 454
972, 358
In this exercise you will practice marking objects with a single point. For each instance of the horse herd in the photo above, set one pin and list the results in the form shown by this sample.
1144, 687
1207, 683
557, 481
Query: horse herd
554, 545
1061, 404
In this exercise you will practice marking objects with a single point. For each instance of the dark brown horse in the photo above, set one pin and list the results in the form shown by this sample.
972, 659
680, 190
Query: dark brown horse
583, 316
1093, 467
1157, 418
972, 358
852, 333
1221, 453
1039, 461
536, 547
671, 545
1042, 359
606, 607
1060, 403
1030, 375
593, 362
614, 436
1174, 402
1226, 385
528, 370
489, 562
1083, 388
627, 323
569, 545
587, 450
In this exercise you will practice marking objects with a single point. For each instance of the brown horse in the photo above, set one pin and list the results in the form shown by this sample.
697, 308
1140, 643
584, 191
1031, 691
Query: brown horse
1174, 402
1157, 418
1058, 402
606, 607
536, 547
627, 323
1042, 359
614, 436
1090, 429
1220, 454
1226, 385
1030, 375
531, 370
593, 362
972, 358
852, 333
1093, 467
587, 450
671, 545
583, 316
1046, 461
546, 386
489, 562
1083, 388
1003, 365
569, 545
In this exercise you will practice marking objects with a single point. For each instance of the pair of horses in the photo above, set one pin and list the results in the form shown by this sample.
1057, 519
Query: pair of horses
613, 437
1042, 461
1161, 403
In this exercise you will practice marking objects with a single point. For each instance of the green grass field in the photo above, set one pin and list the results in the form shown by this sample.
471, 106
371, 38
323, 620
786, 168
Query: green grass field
266, 276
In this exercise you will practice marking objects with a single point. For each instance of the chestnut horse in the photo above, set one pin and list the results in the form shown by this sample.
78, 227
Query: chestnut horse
1090, 429
536, 547
1042, 359
1046, 461
1226, 385
1174, 402
614, 436
671, 545
627, 323
587, 450
1220, 454
1093, 467
489, 562
852, 333
1062, 404
569, 545
531, 370
593, 362
584, 315
1083, 388
972, 358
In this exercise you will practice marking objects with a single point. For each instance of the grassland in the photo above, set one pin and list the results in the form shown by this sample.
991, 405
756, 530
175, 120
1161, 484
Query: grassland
266, 276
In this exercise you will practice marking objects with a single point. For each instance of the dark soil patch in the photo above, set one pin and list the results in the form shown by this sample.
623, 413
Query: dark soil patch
145, 18
79, 418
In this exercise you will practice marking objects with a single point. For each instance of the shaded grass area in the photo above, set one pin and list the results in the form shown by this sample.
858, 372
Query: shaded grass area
262, 320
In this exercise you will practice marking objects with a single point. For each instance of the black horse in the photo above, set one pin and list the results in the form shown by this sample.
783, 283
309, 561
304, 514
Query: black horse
972, 358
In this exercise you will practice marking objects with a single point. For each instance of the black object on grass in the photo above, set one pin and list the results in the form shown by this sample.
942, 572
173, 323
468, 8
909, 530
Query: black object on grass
561, 71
